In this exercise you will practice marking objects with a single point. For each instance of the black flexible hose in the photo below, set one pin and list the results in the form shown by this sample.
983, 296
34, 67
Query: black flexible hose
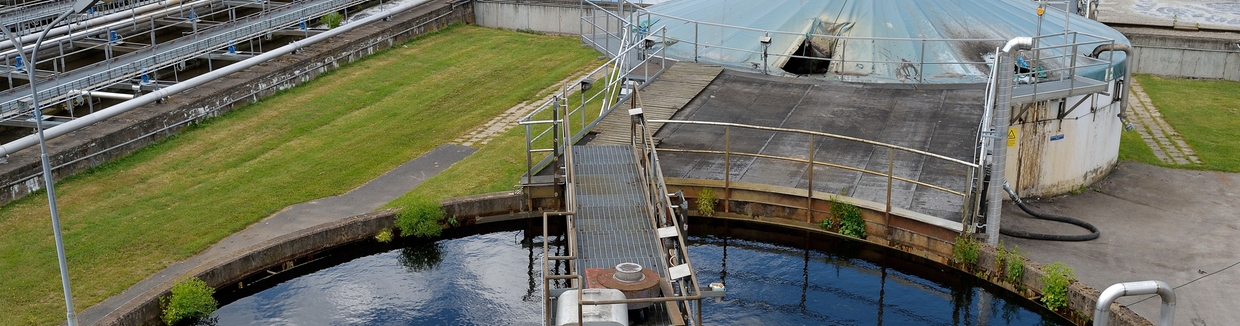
1050, 217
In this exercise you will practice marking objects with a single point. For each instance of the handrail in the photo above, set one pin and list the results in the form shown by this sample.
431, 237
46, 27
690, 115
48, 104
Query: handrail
609, 96
657, 193
819, 133
889, 174
838, 62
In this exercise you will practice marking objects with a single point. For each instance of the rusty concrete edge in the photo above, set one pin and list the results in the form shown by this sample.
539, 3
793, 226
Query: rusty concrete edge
145, 308
1081, 298
267, 254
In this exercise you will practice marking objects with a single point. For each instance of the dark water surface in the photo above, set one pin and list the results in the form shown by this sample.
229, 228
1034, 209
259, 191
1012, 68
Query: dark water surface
773, 276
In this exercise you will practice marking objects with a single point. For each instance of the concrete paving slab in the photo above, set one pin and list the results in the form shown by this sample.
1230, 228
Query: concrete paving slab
1177, 226
942, 120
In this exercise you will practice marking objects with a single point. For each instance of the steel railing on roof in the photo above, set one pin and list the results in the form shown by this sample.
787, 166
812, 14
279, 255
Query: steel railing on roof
840, 64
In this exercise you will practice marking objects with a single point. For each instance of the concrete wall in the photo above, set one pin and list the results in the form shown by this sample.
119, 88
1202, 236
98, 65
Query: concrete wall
1054, 156
128, 132
907, 231
1180, 56
547, 16
290, 250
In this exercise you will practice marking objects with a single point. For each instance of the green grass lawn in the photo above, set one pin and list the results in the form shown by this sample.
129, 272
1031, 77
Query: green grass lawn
1205, 112
499, 165
132, 217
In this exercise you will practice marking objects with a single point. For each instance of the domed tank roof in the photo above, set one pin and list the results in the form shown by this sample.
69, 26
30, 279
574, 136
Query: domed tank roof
908, 41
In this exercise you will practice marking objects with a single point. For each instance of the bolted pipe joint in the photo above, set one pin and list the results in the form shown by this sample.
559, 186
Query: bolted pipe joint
1102, 312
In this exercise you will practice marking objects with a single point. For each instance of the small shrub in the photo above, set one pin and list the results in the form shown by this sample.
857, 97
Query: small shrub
965, 250
706, 201
851, 223
1055, 285
827, 223
423, 219
1014, 266
332, 20
384, 235
190, 300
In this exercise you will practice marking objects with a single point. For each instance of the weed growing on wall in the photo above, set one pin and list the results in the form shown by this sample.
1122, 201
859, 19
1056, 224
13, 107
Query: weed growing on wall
422, 219
1055, 279
964, 252
706, 201
190, 300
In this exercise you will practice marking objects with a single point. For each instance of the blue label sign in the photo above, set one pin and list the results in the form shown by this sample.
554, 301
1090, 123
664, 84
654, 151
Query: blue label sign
1056, 137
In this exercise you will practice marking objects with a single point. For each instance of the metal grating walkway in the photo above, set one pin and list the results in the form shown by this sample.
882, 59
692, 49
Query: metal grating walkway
614, 224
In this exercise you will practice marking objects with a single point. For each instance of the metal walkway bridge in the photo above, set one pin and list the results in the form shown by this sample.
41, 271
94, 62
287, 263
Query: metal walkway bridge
626, 249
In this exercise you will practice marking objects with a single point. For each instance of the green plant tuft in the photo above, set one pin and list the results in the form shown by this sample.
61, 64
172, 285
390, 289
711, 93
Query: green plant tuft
706, 201
851, 223
1055, 279
384, 235
1014, 266
826, 223
190, 300
332, 20
964, 252
423, 219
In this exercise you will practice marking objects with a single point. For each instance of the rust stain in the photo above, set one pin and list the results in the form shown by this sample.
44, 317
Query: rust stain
1029, 159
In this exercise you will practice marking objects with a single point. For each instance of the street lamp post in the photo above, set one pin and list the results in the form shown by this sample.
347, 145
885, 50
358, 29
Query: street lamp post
48, 181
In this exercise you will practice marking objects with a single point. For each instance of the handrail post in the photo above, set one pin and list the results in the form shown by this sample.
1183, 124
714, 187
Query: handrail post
696, 41
921, 69
727, 169
809, 197
891, 159
529, 157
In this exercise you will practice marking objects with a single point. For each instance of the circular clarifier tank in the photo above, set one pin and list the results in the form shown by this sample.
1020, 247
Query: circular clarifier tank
773, 276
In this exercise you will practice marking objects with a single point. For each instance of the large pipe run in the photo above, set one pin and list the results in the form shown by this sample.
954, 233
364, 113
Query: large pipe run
1102, 312
115, 96
84, 28
1002, 113
1123, 100
153, 96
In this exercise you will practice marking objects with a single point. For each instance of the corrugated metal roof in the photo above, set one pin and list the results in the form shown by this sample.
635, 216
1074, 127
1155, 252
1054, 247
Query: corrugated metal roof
890, 40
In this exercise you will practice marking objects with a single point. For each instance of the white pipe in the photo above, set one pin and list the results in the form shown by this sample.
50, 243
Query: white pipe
153, 96
1002, 113
84, 28
1102, 311
117, 96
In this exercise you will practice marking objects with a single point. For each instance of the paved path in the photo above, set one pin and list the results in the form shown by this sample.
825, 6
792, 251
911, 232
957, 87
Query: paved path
1167, 144
364, 199
1178, 226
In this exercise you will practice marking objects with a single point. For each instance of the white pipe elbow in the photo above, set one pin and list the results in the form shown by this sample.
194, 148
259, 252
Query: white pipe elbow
1018, 43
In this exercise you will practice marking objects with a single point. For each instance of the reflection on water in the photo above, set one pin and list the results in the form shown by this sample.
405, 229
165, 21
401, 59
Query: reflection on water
773, 276
782, 277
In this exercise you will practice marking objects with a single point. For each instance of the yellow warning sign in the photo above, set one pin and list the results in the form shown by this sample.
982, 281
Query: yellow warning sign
1011, 139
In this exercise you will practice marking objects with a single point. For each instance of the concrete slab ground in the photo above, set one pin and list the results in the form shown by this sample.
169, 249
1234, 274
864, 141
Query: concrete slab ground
1212, 14
1177, 226
940, 119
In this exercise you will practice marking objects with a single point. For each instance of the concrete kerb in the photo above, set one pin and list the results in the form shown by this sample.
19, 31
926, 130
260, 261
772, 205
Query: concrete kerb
283, 252
278, 254
275, 252
779, 206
